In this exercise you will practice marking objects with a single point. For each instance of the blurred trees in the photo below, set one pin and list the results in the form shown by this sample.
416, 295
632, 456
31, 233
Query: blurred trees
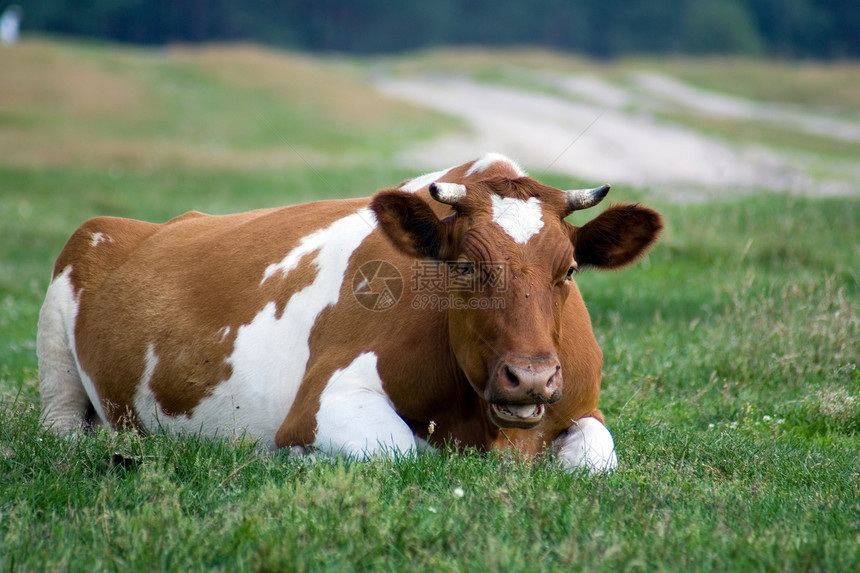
603, 28
722, 27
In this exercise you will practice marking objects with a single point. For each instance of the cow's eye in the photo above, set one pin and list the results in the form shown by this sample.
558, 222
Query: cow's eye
465, 268
570, 272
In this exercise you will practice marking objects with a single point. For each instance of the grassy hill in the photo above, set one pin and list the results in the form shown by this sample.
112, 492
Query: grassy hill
730, 380
241, 107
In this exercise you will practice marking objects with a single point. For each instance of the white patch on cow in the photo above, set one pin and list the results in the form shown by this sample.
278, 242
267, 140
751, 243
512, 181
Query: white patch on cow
309, 244
98, 238
149, 364
587, 444
356, 418
148, 410
489, 159
519, 219
422, 181
270, 353
228, 411
66, 391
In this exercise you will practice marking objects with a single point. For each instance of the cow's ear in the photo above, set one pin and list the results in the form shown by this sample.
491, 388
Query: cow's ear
617, 237
409, 223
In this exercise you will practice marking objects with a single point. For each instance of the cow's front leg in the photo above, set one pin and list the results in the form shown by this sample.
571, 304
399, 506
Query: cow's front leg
586, 444
356, 418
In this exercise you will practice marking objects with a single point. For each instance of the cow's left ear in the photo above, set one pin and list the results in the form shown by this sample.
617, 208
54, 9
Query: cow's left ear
410, 224
617, 237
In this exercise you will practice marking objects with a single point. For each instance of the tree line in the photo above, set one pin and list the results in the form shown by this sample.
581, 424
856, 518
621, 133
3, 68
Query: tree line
789, 29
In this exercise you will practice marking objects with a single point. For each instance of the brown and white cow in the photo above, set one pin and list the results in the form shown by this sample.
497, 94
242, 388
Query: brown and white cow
270, 323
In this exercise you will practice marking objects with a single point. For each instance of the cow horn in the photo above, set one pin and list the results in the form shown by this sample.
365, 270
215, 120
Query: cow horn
449, 193
584, 198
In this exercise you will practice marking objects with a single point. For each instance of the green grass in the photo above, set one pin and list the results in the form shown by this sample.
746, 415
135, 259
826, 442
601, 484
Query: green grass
730, 384
729, 500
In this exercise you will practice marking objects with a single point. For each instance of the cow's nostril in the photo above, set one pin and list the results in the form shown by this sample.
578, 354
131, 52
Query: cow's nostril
512, 377
552, 382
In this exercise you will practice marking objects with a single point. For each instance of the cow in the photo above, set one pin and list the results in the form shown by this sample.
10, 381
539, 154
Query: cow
440, 312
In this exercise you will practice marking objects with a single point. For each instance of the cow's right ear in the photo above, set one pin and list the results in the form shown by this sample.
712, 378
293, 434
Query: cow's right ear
410, 224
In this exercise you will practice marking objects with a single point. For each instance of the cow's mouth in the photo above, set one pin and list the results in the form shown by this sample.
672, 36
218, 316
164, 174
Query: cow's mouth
516, 415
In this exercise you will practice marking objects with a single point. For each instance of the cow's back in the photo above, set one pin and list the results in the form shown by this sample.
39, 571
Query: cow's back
99, 246
165, 312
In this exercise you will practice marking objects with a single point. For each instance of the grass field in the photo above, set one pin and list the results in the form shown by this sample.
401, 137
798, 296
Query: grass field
730, 380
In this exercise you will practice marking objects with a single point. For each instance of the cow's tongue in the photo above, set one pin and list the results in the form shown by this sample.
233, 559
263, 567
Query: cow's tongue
522, 411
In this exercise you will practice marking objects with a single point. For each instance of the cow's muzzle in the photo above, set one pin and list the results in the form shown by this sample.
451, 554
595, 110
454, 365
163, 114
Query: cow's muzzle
519, 390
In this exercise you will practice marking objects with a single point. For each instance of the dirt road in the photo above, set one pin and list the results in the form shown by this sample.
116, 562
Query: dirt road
603, 133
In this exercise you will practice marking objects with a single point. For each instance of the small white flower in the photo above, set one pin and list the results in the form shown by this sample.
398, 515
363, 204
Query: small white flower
766, 418
432, 509
459, 492
710, 425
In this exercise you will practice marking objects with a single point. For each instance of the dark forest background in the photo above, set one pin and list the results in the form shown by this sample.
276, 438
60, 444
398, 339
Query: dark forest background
788, 29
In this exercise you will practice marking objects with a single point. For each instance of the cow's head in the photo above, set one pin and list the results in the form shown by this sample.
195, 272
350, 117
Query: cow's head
510, 258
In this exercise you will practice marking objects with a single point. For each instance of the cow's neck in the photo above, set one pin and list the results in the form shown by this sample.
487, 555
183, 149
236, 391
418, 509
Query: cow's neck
442, 406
